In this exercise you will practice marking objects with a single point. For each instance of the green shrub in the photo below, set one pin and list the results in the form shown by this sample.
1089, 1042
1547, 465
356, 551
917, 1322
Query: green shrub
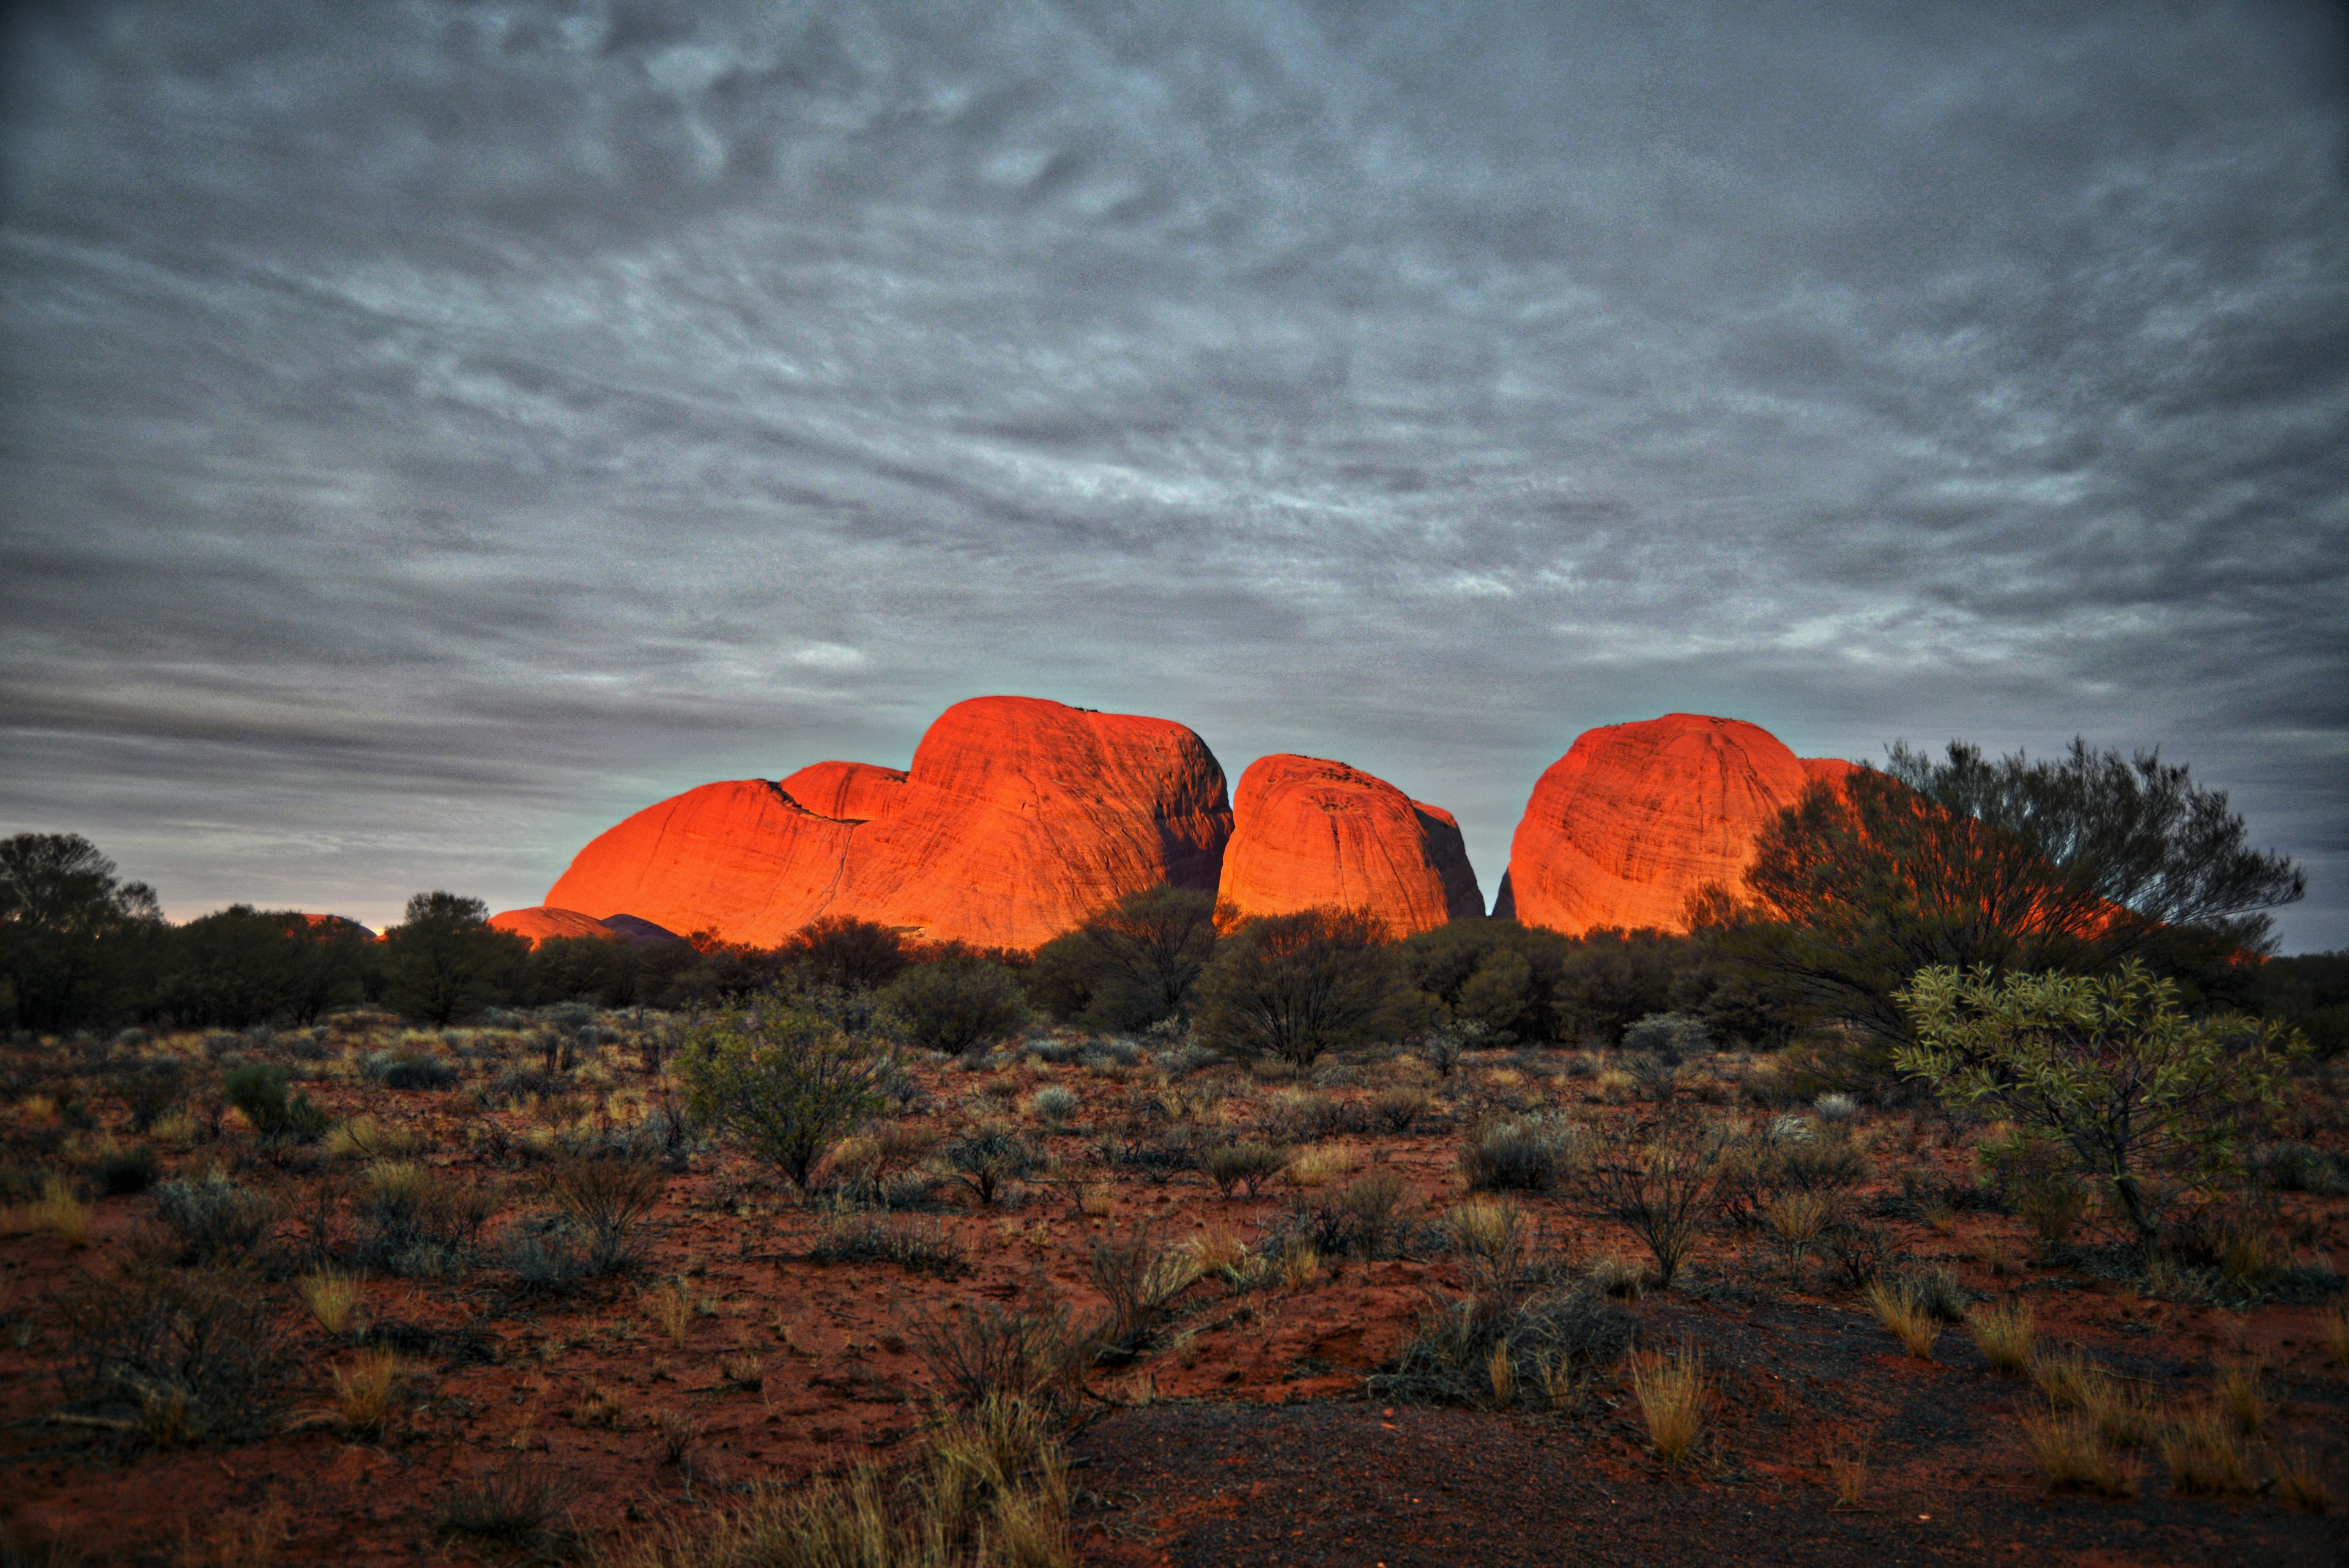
782, 1081
1250, 1163
1291, 987
956, 1004
259, 1091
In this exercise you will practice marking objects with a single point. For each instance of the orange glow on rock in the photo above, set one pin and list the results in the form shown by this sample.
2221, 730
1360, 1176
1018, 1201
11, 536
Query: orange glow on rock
1310, 832
1635, 817
1017, 818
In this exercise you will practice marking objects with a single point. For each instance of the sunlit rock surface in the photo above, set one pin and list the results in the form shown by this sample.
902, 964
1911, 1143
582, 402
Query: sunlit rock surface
1017, 818
1310, 832
540, 922
1635, 817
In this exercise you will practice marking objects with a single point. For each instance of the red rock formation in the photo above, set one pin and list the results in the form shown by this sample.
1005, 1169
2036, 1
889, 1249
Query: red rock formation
1635, 817
1017, 818
1308, 832
847, 791
742, 859
1020, 817
540, 922
1825, 770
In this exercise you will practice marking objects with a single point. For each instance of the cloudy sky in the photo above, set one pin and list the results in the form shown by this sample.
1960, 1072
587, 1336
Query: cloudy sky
430, 432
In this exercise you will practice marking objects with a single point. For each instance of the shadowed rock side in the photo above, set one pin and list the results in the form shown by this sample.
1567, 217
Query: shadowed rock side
1017, 818
1306, 831
1635, 817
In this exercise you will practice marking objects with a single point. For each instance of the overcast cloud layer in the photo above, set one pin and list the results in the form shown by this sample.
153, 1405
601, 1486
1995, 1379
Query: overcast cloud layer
430, 433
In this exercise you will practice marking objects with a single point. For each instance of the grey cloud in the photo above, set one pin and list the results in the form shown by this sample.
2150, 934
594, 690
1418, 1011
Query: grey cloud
432, 430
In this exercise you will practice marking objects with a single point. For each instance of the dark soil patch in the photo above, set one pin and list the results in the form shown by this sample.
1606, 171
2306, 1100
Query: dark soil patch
1217, 1484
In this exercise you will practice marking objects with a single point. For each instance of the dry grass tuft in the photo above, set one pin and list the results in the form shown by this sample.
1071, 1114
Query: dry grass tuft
1898, 1308
2333, 1324
671, 1309
334, 1299
2239, 1397
1670, 1386
1847, 1472
2071, 1455
2071, 1381
56, 1213
1316, 1166
2003, 1335
2298, 1484
2203, 1456
367, 1396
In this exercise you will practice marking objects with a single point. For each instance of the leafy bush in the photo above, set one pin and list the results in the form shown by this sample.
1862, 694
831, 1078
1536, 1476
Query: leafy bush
954, 1004
409, 1068
782, 1081
124, 1172
2112, 1069
1248, 1162
259, 1091
1291, 987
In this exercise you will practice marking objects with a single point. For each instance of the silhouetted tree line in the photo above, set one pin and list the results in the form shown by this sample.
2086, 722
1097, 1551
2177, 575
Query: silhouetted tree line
2078, 864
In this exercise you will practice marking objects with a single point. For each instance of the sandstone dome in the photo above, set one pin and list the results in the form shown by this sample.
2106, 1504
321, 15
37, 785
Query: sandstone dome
540, 922
1635, 817
1017, 818
1308, 831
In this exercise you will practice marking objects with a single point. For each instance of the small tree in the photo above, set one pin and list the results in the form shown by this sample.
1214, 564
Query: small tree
954, 1004
1293, 986
1133, 963
71, 931
852, 954
446, 959
782, 1081
2110, 1068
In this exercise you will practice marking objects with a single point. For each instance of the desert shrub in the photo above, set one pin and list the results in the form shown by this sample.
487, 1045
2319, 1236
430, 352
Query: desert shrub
1054, 1104
1857, 1252
1509, 1154
259, 1091
1292, 987
1132, 965
783, 1081
883, 1167
1755, 1172
408, 1067
1358, 1220
606, 1199
1397, 1110
517, 1504
544, 1253
854, 1236
2301, 1168
150, 1091
192, 1355
214, 1219
2112, 1069
1658, 1187
1037, 1355
1138, 1279
1505, 1346
954, 1004
1248, 1162
418, 1221
988, 1157
2039, 1181
124, 1172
